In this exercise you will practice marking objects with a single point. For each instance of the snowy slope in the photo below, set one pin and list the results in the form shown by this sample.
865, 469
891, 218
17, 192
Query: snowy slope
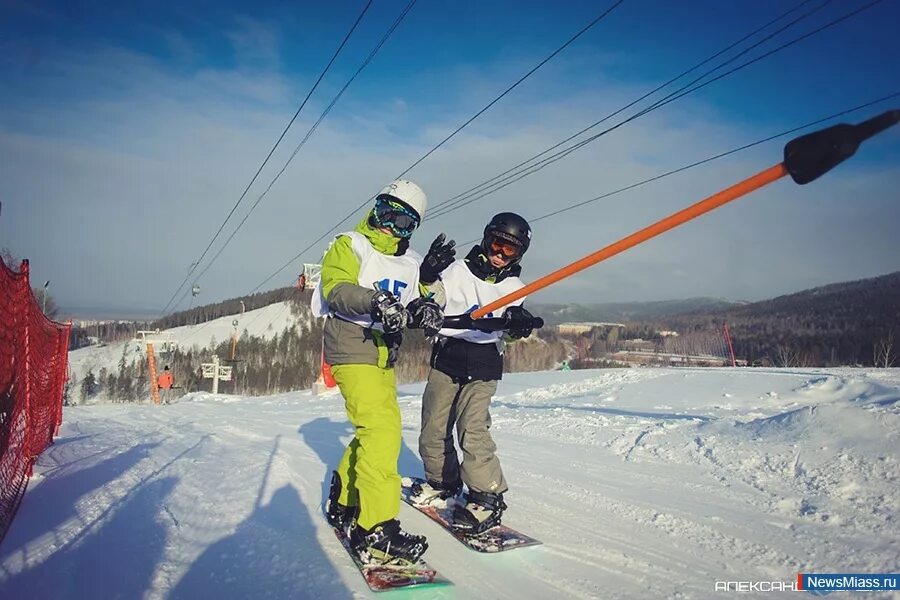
642, 483
263, 322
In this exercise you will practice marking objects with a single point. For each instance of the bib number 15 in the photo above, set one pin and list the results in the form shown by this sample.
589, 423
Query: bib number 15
393, 286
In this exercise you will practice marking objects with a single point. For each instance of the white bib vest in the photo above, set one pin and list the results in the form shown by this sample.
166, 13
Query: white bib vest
396, 274
466, 292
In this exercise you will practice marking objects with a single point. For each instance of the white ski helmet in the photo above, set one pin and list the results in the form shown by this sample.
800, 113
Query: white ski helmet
409, 194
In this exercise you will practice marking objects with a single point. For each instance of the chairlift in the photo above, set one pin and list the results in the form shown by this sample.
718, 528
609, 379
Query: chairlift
195, 290
232, 361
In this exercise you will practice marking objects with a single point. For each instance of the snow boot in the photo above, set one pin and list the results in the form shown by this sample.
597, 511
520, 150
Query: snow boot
481, 512
338, 515
426, 492
386, 543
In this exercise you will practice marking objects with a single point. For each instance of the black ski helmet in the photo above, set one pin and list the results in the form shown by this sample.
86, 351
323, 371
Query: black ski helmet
510, 227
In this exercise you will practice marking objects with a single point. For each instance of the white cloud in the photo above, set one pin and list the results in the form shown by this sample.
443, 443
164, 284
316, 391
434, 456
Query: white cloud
254, 43
125, 189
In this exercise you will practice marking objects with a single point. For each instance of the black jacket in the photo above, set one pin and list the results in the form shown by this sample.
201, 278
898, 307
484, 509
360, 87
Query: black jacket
467, 361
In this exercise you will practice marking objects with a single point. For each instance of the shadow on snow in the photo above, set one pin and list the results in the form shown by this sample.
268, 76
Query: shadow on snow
325, 437
272, 554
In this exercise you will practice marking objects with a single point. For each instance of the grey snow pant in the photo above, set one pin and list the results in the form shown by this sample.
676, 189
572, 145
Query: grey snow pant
446, 405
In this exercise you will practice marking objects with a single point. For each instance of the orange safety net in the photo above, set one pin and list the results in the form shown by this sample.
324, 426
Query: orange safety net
33, 370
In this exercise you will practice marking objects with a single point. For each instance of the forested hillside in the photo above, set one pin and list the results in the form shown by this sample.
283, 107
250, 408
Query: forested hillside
286, 361
625, 312
840, 324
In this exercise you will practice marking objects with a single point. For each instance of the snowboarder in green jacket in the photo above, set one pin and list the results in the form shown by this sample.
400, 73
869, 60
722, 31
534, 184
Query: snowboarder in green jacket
369, 291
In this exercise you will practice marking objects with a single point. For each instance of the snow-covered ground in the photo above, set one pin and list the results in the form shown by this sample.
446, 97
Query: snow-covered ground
263, 322
642, 483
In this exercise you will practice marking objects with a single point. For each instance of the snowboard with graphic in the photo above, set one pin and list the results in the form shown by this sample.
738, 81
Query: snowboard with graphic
496, 539
382, 578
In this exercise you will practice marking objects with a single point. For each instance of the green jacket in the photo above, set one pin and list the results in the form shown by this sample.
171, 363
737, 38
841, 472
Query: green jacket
345, 342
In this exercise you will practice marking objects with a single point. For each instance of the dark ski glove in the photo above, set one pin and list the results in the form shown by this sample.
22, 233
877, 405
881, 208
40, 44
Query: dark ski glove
425, 314
521, 322
387, 310
439, 257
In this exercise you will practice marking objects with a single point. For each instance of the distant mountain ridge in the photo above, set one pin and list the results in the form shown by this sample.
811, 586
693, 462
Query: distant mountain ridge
838, 323
102, 313
846, 296
554, 314
843, 298
835, 324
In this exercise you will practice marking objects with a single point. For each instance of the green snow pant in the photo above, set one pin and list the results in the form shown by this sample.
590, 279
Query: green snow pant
464, 406
368, 469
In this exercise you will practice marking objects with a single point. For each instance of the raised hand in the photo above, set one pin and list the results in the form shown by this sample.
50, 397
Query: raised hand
439, 257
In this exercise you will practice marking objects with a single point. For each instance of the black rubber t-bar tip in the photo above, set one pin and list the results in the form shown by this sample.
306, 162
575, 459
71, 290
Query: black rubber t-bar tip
484, 324
808, 157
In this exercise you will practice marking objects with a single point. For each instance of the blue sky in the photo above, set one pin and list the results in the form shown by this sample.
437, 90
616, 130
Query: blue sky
127, 132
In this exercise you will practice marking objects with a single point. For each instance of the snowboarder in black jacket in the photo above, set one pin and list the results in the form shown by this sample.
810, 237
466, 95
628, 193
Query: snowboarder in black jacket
466, 366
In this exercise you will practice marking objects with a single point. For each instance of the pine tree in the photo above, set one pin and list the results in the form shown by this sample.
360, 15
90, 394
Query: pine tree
88, 386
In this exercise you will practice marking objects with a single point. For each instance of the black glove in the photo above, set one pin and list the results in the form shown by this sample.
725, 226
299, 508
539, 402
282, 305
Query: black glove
439, 257
425, 314
521, 322
387, 310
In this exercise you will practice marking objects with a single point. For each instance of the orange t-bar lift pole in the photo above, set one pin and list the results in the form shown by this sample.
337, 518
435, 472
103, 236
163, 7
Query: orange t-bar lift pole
692, 212
805, 158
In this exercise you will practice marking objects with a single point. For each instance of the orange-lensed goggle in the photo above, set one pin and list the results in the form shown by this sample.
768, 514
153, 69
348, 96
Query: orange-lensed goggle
505, 248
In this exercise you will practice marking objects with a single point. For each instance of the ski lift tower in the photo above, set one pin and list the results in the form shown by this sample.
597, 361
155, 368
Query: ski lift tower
166, 344
309, 277
216, 372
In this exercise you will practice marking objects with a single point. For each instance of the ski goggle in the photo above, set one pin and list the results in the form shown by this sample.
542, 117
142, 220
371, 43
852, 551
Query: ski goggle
505, 248
395, 216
